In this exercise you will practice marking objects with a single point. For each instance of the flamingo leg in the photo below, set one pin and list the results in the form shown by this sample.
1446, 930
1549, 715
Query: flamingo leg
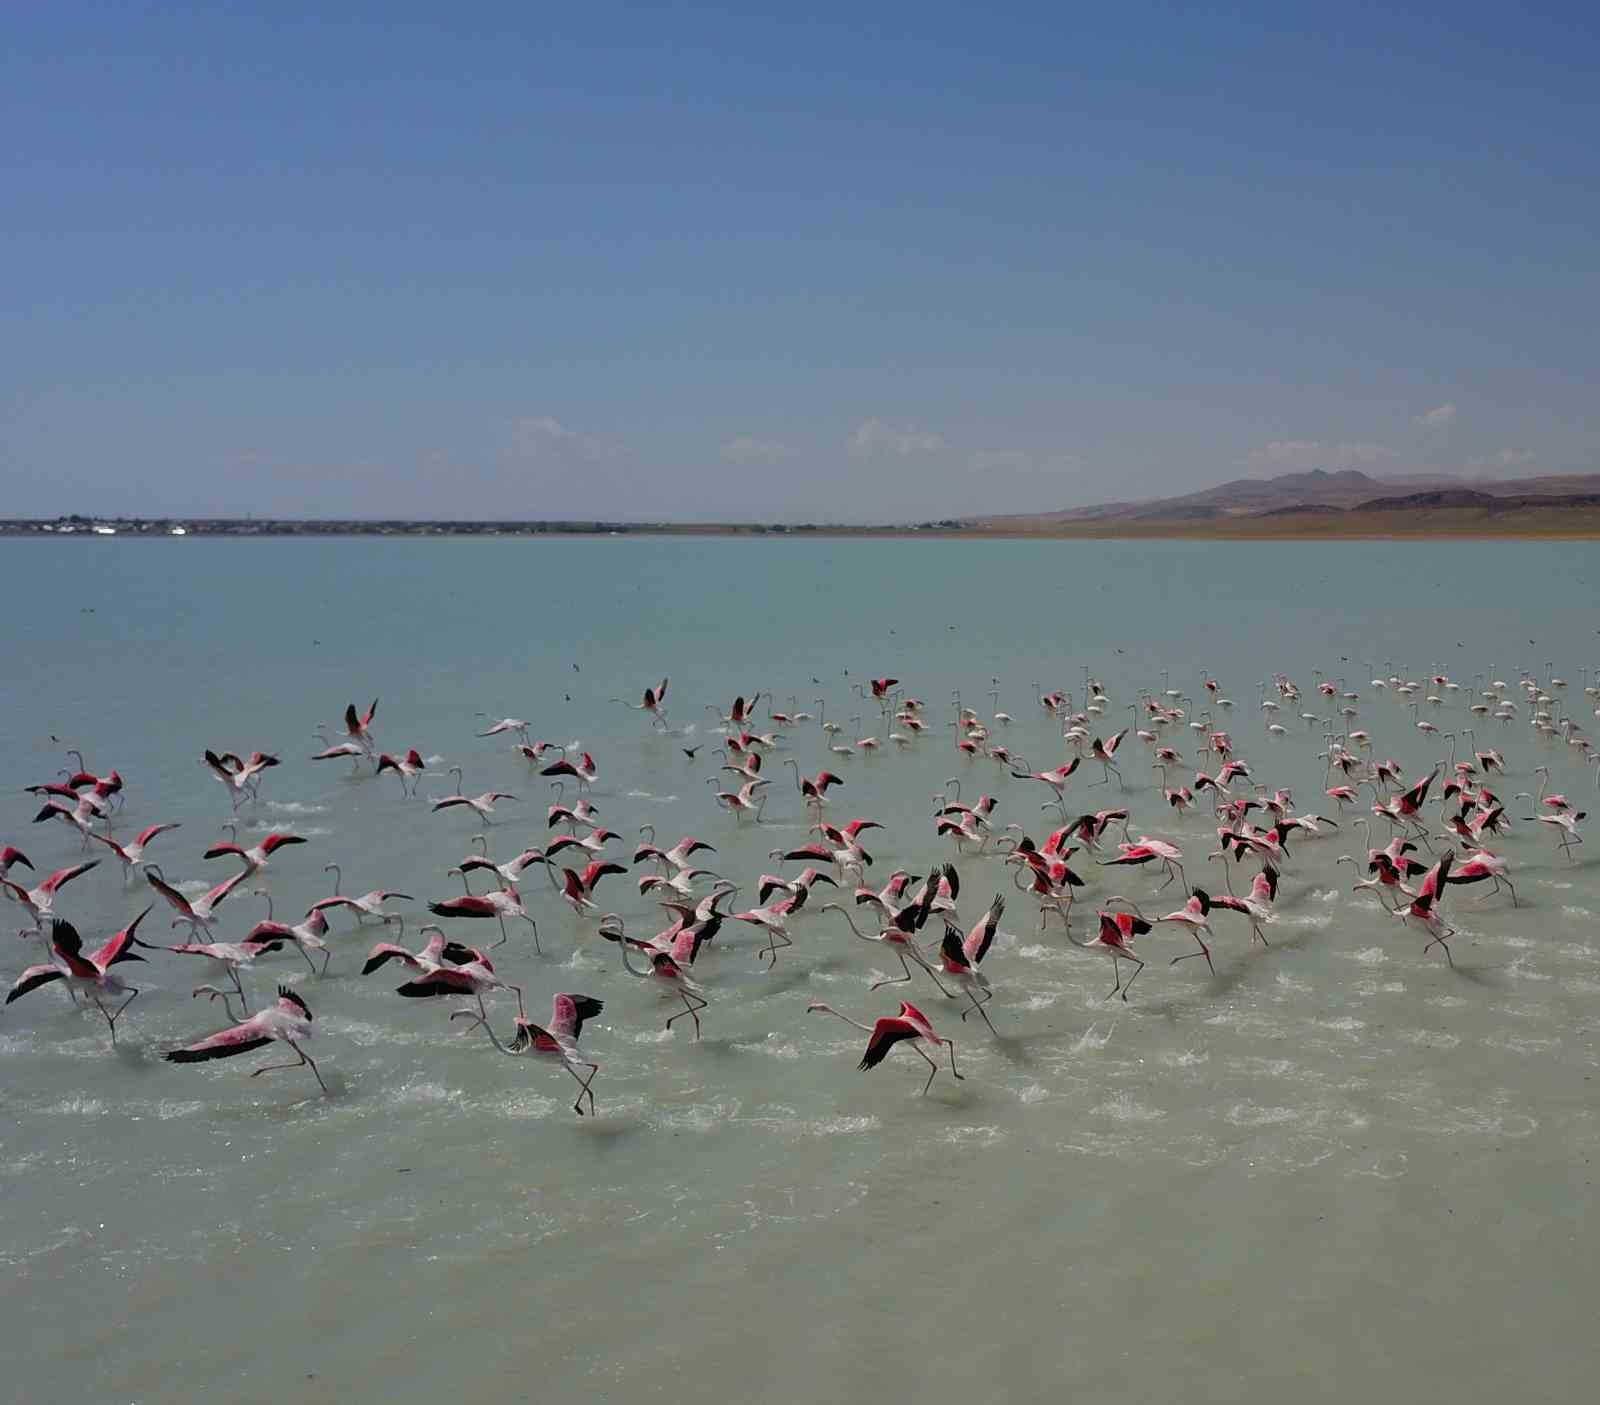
895, 980
583, 1086
1139, 966
933, 1068
305, 1059
691, 1010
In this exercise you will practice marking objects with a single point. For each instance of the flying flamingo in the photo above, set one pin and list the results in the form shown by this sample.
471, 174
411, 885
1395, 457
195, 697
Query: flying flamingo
505, 724
663, 968
583, 771
368, 905
910, 1024
286, 1021
475, 977
90, 974
357, 726
200, 913
231, 956
255, 858
483, 804
558, 1040
438, 950
408, 768
334, 751
1115, 939
963, 955
578, 888
132, 855
81, 816
10, 856
1481, 865
897, 936
308, 932
650, 702
500, 904
40, 901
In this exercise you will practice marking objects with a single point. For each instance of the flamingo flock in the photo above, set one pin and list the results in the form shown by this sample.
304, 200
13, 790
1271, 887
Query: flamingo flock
1433, 834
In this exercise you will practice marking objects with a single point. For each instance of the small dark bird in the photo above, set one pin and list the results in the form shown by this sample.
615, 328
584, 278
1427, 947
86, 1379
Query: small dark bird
690, 751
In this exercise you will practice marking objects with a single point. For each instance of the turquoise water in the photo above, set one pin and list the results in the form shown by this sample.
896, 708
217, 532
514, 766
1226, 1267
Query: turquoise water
1334, 1166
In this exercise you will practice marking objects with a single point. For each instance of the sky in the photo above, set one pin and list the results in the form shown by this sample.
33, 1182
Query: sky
815, 263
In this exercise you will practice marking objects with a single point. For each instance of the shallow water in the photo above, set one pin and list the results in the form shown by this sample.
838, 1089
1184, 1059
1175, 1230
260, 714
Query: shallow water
1335, 1165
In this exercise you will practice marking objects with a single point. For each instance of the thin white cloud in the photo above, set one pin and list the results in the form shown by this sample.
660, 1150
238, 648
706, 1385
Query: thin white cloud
1437, 417
753, 452
903, 439
1304, 455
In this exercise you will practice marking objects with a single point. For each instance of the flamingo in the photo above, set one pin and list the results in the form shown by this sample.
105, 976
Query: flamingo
231, 956
286, 1021
201, 913
40, 901
507, 874
650, 702
559, 1039
505, 724
357, 725
1481, 865
897, 936
773, 921
962, 957
81, 816
240, 777
90, 974
132, 855
438, 950
307, 932
499, 904
579, 812
255, 858
679, 856
482, 805
334, 751
10, 856
1103, 751
408, 768
744, 802
475, 977
910, 1024
1115, 939
665, 968
367, 905
578, 888
583, 771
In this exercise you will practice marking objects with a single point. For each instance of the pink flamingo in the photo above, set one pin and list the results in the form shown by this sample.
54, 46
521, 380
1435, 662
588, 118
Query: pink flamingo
90, 974
558, 1039
910, 1024
40, 901
286, 1021
132, 855
255, 858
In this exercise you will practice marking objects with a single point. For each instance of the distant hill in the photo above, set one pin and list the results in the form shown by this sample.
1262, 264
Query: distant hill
1319, 495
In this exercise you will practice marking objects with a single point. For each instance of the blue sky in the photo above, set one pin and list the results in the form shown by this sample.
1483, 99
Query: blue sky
845, 262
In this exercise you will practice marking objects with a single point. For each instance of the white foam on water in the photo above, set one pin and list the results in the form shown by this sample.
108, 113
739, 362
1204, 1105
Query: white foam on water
1346, 1024
420, 1094
698, 1117
1325, 895
774, 1045
1249, 1114
972, 1136
1033, 1093
1576, 912
77, 1106
526, 1105
1123, 1108
296, 807
1041, 1000
1091, 1038
1189, 1058
1367, 956
1285, 981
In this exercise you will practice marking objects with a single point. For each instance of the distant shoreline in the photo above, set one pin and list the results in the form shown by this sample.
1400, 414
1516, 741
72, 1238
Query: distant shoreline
1465, 523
